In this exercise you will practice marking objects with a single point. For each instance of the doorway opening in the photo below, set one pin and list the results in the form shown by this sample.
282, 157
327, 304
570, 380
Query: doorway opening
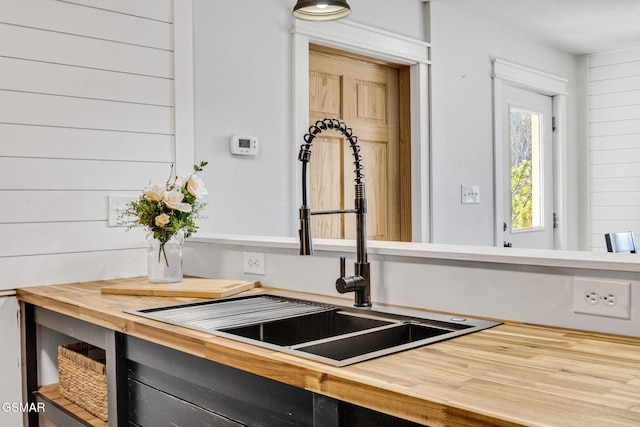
508, 77
373, 98
378, 46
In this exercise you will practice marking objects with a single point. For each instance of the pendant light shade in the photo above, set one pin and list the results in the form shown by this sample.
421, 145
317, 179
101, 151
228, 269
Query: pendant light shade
321, 10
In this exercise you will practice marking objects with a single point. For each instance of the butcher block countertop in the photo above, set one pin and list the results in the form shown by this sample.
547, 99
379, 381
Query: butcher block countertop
509, 375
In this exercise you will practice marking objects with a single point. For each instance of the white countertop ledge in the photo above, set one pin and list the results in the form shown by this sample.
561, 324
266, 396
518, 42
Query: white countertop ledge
484, 254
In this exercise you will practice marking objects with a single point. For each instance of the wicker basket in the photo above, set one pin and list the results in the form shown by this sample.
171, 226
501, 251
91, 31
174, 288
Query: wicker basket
83, 378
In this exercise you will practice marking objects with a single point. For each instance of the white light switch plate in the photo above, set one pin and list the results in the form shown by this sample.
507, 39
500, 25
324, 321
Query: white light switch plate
115, 205
470, 194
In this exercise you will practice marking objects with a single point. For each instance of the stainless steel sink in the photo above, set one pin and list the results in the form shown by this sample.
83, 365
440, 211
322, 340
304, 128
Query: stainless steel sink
334, 335
307, 328
374, 343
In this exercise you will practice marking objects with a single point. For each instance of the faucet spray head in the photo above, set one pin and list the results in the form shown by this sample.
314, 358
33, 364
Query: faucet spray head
306, 247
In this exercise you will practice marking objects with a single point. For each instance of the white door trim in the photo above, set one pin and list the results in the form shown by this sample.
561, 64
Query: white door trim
508, 73
384, 45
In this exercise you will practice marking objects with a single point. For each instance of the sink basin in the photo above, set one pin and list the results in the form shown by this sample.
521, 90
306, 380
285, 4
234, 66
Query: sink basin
371, 342
302, 329
330, 334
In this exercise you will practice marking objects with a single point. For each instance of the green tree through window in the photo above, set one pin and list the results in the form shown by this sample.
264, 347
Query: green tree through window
523, 137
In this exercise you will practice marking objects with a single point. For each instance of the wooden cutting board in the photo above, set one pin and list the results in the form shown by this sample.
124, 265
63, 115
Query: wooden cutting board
189, 287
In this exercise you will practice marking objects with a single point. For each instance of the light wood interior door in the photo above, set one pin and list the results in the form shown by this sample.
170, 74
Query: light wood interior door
366, 95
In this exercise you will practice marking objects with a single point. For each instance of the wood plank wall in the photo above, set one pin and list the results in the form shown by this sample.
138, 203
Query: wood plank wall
614, 136
86, 111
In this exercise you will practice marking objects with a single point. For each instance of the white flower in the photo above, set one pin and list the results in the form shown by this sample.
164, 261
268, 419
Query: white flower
162, 220
173, 200
195, 187
154, 192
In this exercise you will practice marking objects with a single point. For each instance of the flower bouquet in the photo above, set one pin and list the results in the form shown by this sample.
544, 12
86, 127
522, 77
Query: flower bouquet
169, 213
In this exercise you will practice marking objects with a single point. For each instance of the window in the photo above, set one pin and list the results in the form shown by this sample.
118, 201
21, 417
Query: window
526, 173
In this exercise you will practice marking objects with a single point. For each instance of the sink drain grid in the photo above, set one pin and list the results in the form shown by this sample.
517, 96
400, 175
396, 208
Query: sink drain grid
220, 314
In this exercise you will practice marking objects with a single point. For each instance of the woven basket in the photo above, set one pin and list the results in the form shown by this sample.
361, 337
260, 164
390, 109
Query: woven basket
83, 378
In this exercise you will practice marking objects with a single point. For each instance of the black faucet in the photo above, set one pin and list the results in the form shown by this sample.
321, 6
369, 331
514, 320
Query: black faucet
360, 282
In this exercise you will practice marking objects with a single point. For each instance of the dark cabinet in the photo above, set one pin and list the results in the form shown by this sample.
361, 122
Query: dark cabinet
206, 391
150, 385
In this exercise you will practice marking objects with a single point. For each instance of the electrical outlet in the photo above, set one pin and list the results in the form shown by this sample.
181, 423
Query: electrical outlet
608, 298
255, 263
591, 297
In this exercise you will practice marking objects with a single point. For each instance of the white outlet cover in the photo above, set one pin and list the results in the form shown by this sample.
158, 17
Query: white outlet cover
255, 263
620, 289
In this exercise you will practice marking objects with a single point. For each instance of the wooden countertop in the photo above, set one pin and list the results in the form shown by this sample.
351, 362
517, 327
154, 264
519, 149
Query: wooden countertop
509, 375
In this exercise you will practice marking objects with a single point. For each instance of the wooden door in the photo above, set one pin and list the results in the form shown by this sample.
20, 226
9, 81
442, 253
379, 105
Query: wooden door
366, 95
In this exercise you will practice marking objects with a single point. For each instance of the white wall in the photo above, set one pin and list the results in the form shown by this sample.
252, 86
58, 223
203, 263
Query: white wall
462, 138
86, 110
614, 143
245, 87
243, 80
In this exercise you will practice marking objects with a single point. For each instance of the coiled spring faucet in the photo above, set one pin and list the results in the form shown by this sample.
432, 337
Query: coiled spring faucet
360, 282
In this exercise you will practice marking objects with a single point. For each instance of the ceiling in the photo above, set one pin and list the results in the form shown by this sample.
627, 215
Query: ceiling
576, 26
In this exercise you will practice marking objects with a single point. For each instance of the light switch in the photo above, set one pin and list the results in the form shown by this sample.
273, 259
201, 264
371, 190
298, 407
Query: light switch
470, 194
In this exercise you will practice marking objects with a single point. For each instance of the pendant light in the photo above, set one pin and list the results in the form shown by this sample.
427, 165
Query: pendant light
321, 10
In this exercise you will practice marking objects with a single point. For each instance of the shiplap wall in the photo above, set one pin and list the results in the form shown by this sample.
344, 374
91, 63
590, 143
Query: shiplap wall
614, 135
86, 111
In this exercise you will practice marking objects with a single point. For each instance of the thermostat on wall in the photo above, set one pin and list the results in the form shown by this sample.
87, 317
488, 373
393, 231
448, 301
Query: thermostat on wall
243, 145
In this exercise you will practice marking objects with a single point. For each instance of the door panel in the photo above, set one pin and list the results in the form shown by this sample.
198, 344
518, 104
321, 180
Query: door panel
326, 180
378, 200
324, 94
371, 101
